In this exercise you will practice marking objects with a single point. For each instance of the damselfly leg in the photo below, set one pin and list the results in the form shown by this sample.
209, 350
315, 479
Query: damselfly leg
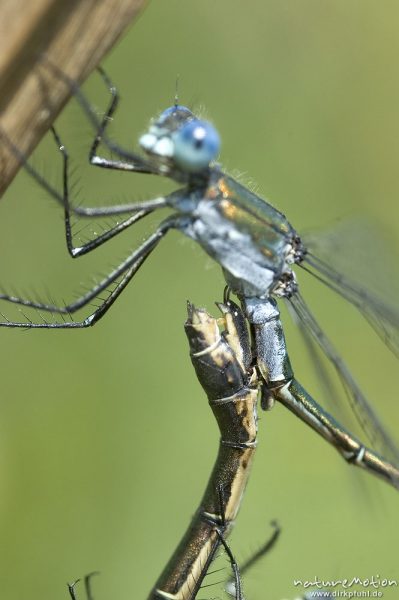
254, 559
126, 270
137, 165
132, 161
87, 584
231, 585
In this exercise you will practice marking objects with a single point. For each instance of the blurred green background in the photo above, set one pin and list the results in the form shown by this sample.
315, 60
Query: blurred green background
106, 440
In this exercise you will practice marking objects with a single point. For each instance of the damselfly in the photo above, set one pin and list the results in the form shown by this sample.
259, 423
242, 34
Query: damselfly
221, 355
256, 247
222, 364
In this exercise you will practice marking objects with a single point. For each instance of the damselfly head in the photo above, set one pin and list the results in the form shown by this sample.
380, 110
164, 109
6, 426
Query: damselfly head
177, 138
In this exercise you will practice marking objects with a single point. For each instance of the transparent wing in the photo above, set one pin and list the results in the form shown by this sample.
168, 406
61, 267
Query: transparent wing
324, 376
356, 260
363, 411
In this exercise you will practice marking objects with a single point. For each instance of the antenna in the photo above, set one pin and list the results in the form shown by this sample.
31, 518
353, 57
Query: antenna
177, 90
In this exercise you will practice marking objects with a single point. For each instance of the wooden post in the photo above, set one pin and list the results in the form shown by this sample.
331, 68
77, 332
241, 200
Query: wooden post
74, 36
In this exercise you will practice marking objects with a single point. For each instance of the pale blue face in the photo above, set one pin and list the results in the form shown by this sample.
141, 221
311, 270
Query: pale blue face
177, 136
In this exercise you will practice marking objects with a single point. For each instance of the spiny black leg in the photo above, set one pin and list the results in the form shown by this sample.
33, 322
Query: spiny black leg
99, 161
231, 587
71, 589
88, 321
82, 211
107, 235
119, 209
136, 160
236, 581
128, 268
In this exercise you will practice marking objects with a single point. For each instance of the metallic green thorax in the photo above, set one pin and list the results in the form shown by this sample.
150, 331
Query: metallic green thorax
251, 240
267, 226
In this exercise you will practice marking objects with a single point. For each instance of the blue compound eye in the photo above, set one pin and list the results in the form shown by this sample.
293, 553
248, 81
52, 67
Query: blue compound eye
196, 144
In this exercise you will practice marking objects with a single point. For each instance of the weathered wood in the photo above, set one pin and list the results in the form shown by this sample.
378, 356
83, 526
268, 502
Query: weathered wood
74, 36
